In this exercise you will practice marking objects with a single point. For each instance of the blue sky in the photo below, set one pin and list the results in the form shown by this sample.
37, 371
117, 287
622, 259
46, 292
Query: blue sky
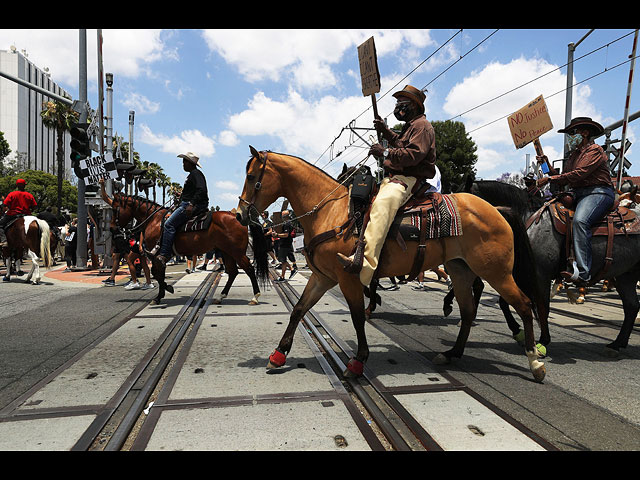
215, 92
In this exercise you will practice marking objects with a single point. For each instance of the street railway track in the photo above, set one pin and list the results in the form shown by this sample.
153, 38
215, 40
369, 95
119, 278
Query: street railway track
114, 426
401, 431
125, 423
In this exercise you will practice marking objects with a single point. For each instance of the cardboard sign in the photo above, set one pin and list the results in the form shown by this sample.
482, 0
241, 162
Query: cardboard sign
528, 123
369, 68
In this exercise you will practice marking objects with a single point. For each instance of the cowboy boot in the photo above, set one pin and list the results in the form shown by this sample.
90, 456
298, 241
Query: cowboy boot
353, 265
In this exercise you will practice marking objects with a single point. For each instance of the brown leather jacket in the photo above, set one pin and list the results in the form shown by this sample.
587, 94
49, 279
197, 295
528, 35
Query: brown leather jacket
413, 151
585, 168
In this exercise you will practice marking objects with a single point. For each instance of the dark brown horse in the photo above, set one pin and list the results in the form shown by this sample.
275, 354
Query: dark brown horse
485, 249
224, 233
32, 234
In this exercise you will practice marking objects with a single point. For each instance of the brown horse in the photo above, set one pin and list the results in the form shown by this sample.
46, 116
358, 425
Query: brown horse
485, 249
224, 233
29, 233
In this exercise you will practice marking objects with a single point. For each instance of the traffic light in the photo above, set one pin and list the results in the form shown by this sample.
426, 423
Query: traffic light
80, 148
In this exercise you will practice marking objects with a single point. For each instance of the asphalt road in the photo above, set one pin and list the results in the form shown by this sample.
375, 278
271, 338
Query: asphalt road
587, 401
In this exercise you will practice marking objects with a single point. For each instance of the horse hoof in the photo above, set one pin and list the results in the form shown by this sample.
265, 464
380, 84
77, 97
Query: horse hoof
447, 310
168, 288
216, 301
611, 352
253, 301
354, 369
276, 359
441, 359
537, 367
539, 373
519, 337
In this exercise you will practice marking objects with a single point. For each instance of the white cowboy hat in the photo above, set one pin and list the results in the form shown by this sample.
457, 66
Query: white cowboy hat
192, 157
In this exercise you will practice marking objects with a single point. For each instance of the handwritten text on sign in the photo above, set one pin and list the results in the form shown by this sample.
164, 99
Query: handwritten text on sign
369, 68
528, 123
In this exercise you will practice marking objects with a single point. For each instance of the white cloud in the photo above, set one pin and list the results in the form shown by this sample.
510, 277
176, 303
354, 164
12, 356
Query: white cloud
139, 103
228, 138
227, 185
307, 56
187, 141
126, 53
496, 151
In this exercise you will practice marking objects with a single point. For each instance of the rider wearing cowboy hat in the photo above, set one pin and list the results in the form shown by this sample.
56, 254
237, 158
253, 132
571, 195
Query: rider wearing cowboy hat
18, 202
587, 174
194, 199
411, 156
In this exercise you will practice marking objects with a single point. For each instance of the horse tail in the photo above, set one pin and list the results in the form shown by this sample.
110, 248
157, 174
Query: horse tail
45, 242
524, 265
260, 253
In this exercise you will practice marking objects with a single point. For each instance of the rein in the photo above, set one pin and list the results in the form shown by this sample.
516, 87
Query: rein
315, 208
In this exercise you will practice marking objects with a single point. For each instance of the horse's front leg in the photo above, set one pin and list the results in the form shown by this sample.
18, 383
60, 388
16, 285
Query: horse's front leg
354, 295
314, 290
8, 262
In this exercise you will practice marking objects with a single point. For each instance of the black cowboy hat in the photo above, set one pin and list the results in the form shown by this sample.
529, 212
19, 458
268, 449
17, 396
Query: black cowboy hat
584, 122
412, 93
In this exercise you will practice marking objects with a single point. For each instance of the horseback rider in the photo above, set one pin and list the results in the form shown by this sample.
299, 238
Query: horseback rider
587, 175
410, 159
18, 202
193, 200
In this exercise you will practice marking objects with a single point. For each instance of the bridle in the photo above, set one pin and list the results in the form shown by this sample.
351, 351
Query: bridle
256, 188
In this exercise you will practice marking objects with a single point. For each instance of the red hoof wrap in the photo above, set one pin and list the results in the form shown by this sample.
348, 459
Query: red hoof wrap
277, 358
355, 366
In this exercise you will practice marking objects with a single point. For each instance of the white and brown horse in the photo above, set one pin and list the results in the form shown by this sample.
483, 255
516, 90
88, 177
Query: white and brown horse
32, 234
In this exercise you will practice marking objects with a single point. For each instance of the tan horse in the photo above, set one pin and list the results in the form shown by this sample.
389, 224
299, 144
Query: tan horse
485, 249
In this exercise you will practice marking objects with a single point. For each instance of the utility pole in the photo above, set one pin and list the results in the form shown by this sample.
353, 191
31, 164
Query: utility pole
81, 249
131, 117
625, 119
569, 96
106, 233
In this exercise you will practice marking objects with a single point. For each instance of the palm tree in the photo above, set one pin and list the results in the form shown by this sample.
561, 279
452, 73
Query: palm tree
59, 116
164, 181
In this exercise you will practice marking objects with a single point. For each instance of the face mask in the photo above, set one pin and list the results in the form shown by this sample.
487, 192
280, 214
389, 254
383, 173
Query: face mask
574, 140
401, 112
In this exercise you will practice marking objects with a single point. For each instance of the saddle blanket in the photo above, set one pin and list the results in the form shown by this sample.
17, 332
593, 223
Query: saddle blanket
201, 222
442, 221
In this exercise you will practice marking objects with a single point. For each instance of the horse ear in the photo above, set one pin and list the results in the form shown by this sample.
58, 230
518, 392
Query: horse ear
255, 153
344, 167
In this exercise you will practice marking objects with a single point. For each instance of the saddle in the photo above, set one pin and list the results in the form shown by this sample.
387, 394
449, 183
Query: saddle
423, 216
618, 221
200, 221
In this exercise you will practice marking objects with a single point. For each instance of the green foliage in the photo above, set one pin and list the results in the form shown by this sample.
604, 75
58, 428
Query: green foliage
44, 187
456, 154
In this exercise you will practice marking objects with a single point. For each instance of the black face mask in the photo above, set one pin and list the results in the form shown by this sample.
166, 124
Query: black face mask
403, 110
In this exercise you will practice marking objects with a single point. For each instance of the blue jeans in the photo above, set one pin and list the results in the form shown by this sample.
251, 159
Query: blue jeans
178, 218
592, 205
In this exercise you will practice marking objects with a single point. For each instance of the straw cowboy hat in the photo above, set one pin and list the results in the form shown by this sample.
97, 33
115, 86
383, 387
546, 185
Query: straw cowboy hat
412, 93
584, 122
192, 157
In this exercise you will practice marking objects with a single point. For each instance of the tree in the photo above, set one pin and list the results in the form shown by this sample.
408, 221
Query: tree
456, 154
59, 116
43, 187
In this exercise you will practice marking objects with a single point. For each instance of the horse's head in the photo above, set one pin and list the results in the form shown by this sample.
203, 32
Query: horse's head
261, 187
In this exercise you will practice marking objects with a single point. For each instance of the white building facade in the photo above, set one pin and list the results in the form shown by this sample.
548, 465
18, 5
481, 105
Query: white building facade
32, 144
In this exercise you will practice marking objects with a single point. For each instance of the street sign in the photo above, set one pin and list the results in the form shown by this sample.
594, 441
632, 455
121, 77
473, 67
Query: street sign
95, 168
614, 163
530, 122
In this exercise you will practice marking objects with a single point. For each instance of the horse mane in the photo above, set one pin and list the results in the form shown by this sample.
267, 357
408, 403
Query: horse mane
506, 195
123, 200
292, 156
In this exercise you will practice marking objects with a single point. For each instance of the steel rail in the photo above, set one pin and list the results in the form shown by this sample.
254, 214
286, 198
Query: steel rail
124, 410
395, 423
